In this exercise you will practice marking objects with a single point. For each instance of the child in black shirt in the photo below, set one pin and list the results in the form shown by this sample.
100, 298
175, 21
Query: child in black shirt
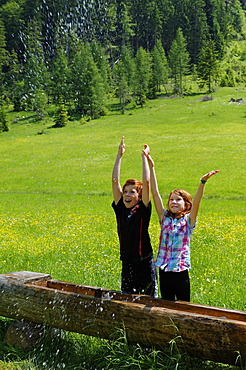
133, 210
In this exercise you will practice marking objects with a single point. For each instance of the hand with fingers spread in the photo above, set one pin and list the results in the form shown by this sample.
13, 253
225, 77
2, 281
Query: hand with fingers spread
204, 178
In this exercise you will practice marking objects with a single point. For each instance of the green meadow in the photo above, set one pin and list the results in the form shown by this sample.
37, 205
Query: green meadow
55, 187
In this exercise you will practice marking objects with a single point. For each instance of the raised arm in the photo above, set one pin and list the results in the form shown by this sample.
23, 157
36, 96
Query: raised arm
154, 186
198, 196
146, 180
116, 187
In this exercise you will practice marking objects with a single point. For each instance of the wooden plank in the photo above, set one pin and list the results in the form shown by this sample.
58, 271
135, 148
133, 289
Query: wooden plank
211, 338
27, 276
147, 300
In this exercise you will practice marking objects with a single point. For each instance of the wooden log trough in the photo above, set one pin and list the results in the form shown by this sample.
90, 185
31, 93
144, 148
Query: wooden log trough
201, 331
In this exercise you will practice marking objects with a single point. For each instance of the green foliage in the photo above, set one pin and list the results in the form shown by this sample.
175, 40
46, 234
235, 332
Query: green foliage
179, 61
142, 76
196, 31
227, 78
119, 354
207, 68
3, 52
12, 19
61, 116
3, 119
88, 87
39, 42
123, 25
60, 77
160, 69
122, 87
35, 73
123, 76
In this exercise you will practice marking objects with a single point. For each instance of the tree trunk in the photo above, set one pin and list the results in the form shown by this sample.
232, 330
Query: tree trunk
201, 331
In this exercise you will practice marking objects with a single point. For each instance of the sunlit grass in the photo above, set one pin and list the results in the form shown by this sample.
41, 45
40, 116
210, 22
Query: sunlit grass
56, 215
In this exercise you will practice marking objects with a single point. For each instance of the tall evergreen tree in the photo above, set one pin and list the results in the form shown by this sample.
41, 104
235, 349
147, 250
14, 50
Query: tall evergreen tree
236, 18
129, 67
60, 81
160, 69
3, 119
168, 22
179, 61
100, 59
142, 76
123, 25
12, 18
147, 23
124, 71
197, 31
61, 116
122, 88
87, 85
217, 23
3, 56
207, 68
11, 74
35, 73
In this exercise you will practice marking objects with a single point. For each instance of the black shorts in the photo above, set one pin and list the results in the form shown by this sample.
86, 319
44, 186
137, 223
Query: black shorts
175, 285
139, 278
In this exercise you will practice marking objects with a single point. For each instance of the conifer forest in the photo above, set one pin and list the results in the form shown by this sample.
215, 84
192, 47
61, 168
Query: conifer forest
78, 54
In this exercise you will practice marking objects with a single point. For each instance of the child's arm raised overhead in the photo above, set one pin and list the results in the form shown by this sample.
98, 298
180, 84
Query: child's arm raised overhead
198, 196
116, 187
153, 182
146, 180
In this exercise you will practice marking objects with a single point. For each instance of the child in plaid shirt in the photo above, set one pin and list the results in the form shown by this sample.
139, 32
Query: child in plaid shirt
177, 223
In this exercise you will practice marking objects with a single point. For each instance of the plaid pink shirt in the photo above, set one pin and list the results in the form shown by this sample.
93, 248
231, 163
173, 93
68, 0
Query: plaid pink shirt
174, 247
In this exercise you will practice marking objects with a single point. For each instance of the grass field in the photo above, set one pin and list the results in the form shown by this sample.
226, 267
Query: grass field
56, 215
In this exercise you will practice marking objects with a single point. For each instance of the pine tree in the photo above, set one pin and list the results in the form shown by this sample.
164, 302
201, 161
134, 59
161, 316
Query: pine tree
12, 18
129, 67
87, 84
142, 76
122, 88
123, 77
236, 18
147, 23
197, 31
123, 26
217, 21
179, 61
99, 58
3, 119
11, 74
60, 81
61, 116
3, 56
160, 69
35, 73
207, 68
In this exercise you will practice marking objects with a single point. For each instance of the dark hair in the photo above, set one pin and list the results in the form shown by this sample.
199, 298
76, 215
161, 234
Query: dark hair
187, 199
138, 185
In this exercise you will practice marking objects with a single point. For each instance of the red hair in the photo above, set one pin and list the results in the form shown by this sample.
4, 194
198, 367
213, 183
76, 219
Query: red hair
187, 199
138, 185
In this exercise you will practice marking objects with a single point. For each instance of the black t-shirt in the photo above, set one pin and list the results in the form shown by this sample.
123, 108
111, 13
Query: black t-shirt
132, 227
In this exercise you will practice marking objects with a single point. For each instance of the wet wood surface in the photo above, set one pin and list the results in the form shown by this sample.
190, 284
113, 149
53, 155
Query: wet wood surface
201, 331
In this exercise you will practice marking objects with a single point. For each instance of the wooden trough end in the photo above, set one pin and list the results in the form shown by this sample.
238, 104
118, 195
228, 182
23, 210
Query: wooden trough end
201, 331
